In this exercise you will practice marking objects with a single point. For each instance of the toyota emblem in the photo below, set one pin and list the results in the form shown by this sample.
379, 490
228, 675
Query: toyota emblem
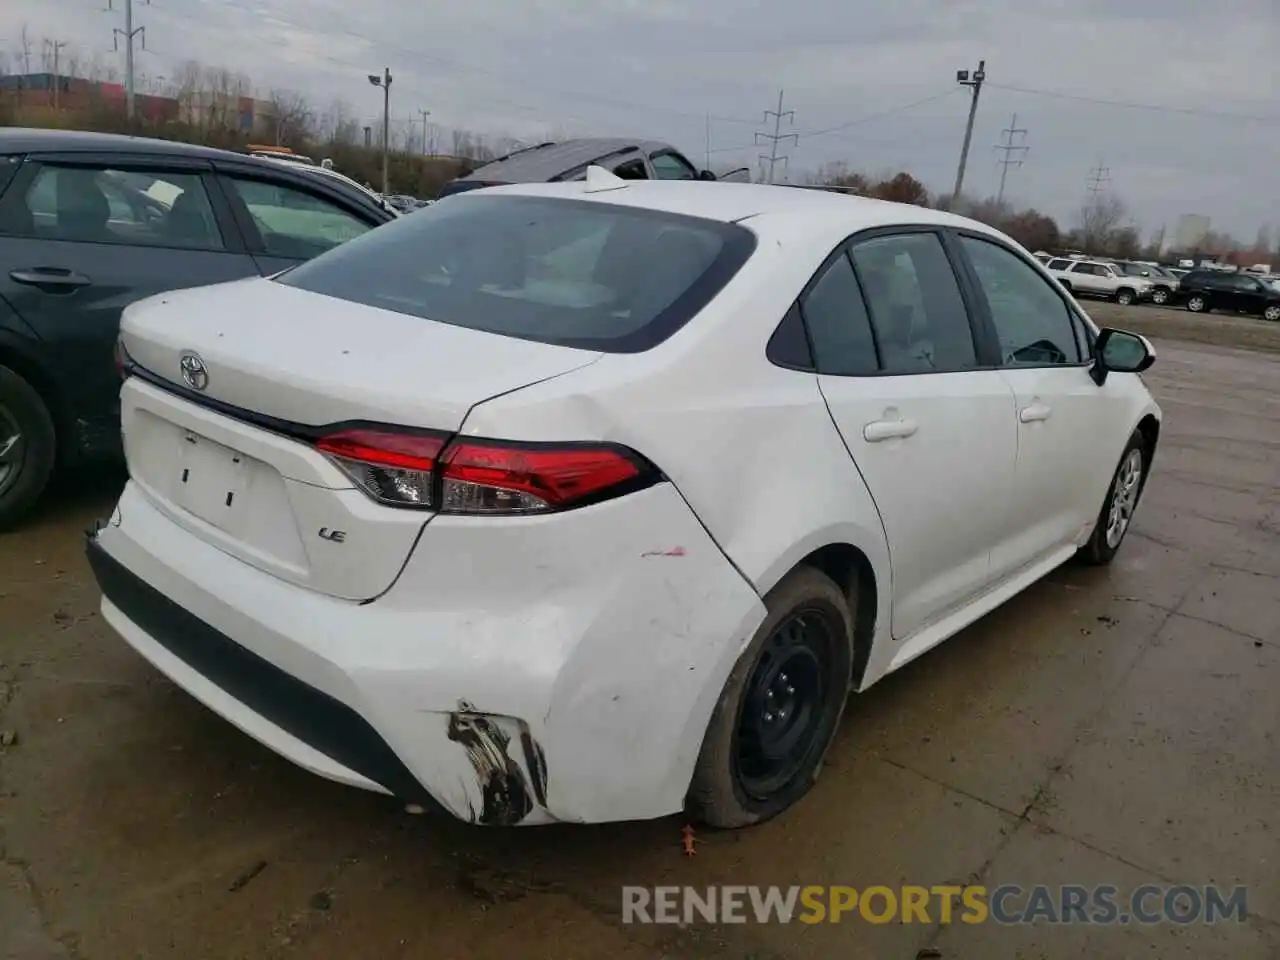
194, 372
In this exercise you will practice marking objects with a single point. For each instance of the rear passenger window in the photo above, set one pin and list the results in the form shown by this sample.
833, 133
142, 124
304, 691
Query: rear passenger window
836, 316
103, 205
919, 317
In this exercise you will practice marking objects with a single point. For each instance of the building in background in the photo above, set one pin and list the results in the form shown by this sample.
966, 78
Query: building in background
46, 91
1188, 235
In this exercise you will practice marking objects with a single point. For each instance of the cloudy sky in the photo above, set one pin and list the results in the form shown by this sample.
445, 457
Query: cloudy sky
870, 84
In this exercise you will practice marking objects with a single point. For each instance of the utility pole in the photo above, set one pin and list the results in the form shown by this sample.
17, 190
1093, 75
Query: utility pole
57, 46
425, 114
776, 137
1014, 153
1098, 179
129, 32
974, 83
384, 82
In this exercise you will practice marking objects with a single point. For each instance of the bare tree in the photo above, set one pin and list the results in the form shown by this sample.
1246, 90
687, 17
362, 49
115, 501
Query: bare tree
293, 119
1099, 217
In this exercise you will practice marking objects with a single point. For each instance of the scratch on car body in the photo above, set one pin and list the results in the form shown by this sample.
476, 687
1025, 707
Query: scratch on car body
508, 793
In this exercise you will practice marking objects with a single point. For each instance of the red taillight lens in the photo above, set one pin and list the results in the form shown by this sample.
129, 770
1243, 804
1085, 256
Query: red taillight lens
487, 477
121, 356
392, 467
491, 477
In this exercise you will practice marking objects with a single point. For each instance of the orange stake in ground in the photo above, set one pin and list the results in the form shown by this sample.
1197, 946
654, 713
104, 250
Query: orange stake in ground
688, 841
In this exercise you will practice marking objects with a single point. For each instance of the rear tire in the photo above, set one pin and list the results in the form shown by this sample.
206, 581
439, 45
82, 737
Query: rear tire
1116, 516
28, 446
1197, 304
780, 707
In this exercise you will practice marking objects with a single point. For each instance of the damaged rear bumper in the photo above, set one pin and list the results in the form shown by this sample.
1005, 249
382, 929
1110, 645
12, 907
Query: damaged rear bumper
494, 716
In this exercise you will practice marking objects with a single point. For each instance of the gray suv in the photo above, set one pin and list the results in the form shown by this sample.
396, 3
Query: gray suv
568, 160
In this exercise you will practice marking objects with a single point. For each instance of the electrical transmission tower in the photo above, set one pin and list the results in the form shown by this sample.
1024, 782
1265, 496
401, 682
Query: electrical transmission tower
777, 137
128, 33
1014, 150
1097, 180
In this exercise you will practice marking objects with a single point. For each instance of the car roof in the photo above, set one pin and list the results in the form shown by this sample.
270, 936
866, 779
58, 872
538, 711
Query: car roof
546, 160
31, 140
734, 202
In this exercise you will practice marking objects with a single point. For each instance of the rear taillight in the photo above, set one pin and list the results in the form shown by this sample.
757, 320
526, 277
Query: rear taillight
392, 467
121, 357
485, 477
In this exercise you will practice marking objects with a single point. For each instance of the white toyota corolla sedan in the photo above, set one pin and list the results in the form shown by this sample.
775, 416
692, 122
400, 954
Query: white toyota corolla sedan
592, 501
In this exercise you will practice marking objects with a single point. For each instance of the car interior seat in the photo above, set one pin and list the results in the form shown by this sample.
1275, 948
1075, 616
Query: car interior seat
186, 224
81, 207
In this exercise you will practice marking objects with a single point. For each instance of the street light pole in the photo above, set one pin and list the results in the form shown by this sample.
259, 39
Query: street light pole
384, 82
974, 83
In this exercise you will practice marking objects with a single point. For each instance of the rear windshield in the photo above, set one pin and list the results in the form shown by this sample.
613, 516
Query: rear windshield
571, 272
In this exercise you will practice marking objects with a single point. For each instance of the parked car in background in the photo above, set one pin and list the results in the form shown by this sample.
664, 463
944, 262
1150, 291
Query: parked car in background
1164, 284
568, 160
1096, 278
1205, 290
90, 222
541, 381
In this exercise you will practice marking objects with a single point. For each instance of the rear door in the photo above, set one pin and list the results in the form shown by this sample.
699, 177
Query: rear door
932, 433
287, 219
82, 236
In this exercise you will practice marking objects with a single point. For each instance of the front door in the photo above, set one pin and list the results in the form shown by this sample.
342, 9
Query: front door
80, 239
1060, 478
932, 435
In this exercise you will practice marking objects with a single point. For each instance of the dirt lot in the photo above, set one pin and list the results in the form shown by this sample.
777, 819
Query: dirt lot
1114, 727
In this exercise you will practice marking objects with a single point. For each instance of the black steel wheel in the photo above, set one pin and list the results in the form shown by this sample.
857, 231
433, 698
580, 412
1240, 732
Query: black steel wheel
780, 707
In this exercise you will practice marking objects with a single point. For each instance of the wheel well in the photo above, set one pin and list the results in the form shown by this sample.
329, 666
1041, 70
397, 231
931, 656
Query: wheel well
851, 571
43, 385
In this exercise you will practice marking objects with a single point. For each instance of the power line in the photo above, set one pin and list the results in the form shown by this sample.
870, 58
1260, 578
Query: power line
129, 32
1014, 153
1131, 105
1097, 180
776, 137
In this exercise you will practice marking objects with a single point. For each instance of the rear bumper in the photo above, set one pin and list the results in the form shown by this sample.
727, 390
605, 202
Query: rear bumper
579, 694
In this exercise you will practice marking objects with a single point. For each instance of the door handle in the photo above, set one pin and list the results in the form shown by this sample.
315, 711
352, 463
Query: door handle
1036, 411
878, 430
56, 277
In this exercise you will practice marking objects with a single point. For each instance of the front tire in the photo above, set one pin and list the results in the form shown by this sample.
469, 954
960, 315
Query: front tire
780, 707
1159, 296
1271, 313
1124, 296
1197, 304
1117, 512
28, 445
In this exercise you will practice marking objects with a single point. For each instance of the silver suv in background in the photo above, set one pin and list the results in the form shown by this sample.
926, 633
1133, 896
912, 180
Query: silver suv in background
1095, 278
1164, 284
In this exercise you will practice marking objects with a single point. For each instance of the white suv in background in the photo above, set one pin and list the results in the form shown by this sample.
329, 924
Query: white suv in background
1094, 278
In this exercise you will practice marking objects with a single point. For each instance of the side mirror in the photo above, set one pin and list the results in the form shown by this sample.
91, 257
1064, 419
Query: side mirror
1118, 351
706, 175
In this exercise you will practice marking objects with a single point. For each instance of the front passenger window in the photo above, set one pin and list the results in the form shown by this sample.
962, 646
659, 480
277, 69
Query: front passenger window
294, 224
1033, 323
